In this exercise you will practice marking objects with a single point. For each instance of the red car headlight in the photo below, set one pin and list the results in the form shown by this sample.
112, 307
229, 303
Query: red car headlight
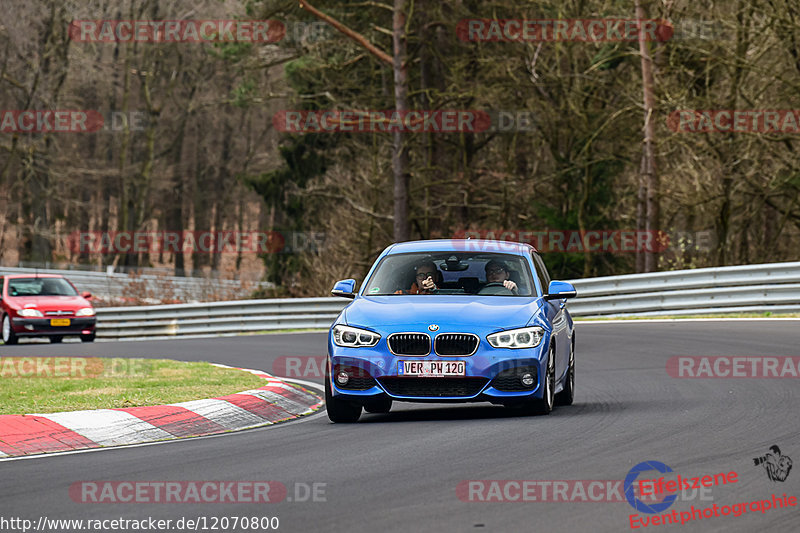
30, 313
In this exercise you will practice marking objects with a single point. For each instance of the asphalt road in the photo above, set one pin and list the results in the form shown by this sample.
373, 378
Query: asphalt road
400, 471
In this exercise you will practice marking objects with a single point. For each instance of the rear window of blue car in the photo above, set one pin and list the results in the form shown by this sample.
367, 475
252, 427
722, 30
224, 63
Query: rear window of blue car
456, 273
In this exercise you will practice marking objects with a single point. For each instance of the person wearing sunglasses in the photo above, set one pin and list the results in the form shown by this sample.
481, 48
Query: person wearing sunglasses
426, 275
497, 272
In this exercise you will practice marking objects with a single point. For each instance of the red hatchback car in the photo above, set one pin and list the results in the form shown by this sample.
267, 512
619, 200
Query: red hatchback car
44, 305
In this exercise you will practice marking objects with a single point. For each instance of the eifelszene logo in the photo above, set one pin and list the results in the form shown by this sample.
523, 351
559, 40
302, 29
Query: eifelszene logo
635, 502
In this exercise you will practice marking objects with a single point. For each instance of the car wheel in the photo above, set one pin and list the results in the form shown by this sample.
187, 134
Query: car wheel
56, 339
8, 333
340, 411
566, 396
87, 338
545, 405
384, 405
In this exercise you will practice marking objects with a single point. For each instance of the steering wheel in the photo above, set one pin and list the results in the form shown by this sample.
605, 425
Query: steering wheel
495, 289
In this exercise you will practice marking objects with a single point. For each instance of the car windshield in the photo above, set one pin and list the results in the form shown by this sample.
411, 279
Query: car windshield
40, 287
454, 273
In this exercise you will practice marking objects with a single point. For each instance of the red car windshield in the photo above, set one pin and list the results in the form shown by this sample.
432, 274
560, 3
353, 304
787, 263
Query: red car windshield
40, 287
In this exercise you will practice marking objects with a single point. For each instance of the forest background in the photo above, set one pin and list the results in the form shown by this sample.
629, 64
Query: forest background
189, 141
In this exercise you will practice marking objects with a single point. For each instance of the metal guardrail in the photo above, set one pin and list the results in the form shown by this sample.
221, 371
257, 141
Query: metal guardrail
773, 287
116, 287
754, 288
218, 317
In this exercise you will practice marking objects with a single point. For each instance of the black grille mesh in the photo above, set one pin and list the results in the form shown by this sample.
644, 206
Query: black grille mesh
410, 343
455, 344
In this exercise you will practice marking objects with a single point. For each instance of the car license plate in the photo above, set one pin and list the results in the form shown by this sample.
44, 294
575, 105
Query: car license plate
433, 369
59, 322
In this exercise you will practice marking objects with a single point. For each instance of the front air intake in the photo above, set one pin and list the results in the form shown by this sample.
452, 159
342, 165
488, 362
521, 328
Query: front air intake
456, 344
417, 344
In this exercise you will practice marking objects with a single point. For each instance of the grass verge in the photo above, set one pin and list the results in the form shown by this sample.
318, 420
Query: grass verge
53, 384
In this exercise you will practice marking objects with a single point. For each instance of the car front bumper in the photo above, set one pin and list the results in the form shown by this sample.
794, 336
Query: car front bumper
377, 376
41, 327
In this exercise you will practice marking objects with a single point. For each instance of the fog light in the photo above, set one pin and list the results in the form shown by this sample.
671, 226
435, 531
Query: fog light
526, 379
342, 378
29, 327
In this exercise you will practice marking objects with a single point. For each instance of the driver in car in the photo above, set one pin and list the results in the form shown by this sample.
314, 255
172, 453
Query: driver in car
497, 272
426, 273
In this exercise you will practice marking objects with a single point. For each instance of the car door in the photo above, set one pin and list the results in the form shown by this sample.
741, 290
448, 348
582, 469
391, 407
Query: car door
558, 316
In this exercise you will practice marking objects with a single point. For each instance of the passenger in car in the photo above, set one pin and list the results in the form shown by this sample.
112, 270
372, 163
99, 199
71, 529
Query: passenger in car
497, 272
425, 275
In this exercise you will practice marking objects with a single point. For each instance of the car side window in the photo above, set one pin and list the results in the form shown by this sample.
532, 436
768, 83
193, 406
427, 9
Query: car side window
541, 272
2, 280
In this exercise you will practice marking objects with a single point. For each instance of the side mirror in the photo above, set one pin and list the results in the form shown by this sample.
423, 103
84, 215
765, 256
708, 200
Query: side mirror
558, 290
345, 288
87, 295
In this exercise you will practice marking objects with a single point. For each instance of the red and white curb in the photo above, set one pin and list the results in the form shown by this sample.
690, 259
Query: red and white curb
276, 402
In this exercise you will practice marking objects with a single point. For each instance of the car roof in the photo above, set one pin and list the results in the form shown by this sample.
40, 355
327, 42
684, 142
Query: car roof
31, 275
460, 245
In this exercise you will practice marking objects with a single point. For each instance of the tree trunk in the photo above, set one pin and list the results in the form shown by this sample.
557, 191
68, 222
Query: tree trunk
399, 149
652, 218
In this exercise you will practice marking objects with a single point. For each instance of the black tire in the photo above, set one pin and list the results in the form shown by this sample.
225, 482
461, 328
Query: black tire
384, 405
545, 405
567, 395
9, 337
55, 339
340, 411
87, 338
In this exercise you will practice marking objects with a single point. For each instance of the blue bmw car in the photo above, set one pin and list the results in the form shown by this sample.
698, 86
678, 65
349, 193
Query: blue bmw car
452, 321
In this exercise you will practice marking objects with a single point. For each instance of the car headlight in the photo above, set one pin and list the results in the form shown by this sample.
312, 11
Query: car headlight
86, 311
517, 338
354, 337
30, 313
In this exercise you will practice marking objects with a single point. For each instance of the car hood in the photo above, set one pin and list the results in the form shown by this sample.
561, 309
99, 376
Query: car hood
49, 303
500, 312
